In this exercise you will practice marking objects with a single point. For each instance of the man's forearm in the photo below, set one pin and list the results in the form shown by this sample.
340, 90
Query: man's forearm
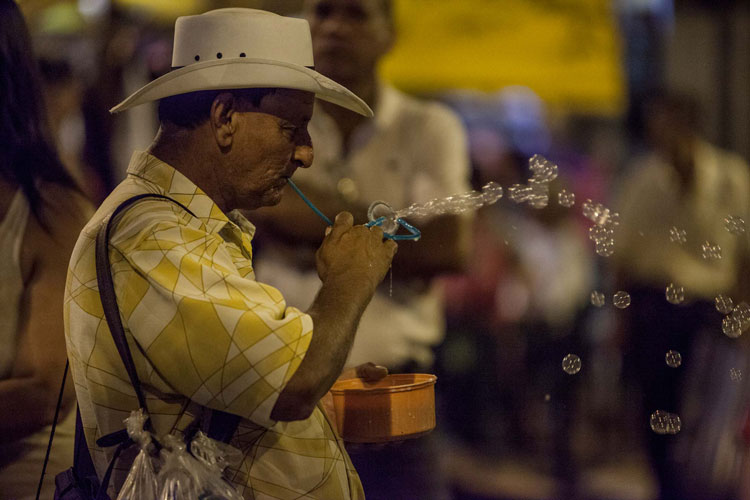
336, 312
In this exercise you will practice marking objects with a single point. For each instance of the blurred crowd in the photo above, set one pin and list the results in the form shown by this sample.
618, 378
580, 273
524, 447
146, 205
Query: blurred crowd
537, 286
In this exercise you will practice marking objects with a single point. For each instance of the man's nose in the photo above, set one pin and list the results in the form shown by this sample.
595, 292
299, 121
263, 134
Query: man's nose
304, 155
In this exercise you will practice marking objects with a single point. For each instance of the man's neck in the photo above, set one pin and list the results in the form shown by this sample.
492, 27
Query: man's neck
183, 150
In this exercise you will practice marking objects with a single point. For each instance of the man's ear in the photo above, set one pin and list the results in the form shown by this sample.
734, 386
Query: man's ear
223, 119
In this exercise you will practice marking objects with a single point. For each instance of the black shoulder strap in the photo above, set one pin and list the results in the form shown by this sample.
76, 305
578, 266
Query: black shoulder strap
222, 424
107, 290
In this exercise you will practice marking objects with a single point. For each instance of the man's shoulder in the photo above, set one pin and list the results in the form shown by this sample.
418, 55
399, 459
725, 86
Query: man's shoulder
139, 217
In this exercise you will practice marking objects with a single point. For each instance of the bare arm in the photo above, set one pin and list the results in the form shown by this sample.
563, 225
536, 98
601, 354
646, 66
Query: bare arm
351, 263
30, 395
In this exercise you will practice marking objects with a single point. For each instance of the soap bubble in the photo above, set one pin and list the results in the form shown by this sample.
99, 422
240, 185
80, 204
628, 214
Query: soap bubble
677, 235
382, 209
621, 299
519, 193
544, 170
566, 199
735, 224
675, 294
454, 204
605, 248
673, 359
571, 364
711, 252
536, 192
735, 374
491, 192
595, 212
731, 326
597, 298
599, 233
663, 422
742, 311
724, 304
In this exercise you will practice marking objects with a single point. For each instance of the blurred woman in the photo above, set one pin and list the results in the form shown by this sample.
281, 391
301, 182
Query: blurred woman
41, 213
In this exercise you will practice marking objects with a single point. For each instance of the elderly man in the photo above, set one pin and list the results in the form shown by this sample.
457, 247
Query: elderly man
204, 334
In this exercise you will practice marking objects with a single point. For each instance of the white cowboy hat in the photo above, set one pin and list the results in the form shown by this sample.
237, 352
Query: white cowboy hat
240, 48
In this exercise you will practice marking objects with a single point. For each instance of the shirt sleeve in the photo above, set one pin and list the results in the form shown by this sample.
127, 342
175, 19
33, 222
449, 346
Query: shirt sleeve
190, 300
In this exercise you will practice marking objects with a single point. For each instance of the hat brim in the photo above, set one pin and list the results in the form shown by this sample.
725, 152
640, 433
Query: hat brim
243, 73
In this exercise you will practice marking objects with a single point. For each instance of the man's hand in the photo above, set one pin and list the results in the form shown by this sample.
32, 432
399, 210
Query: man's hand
355, 254
352, 261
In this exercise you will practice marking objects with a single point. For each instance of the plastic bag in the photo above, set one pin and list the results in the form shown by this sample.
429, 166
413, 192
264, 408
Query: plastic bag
214, 454
183, 477
141, 481
215, 457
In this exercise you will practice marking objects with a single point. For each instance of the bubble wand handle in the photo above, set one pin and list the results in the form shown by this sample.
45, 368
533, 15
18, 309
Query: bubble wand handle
309, 203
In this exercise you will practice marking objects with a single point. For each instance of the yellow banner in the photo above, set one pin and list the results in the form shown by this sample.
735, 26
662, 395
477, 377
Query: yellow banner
567, 51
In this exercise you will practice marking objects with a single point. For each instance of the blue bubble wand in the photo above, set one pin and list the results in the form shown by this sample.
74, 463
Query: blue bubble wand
414, 233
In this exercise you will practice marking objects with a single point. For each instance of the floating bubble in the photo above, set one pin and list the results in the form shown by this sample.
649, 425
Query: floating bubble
571, 364
595, 212
724, 304
543, 169
711, 252
519, 193
566, 199
735, 374
735, 224
663, 422
598, 233
597, 298
675, 294
742, 312
491, 192
382, 209
673, 359
538, 201
677, 235
454, 204
731, 326
605, 248
621, 299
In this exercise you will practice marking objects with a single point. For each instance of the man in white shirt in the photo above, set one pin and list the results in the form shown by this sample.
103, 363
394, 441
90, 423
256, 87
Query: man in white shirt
673, 206
411, 151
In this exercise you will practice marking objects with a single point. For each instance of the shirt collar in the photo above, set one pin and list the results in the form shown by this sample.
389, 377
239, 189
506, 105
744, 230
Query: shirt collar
170, 182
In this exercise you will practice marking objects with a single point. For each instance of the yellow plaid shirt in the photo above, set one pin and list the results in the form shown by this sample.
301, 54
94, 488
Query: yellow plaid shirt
203, 333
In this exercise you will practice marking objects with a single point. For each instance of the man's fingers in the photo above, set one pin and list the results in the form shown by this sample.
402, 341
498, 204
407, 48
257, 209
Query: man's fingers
343, 222
377, 231
371, 372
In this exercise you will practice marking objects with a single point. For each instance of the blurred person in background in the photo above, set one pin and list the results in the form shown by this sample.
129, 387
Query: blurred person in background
411, 151
66, 43
673, 202
64, 100
519, 308
41, 212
